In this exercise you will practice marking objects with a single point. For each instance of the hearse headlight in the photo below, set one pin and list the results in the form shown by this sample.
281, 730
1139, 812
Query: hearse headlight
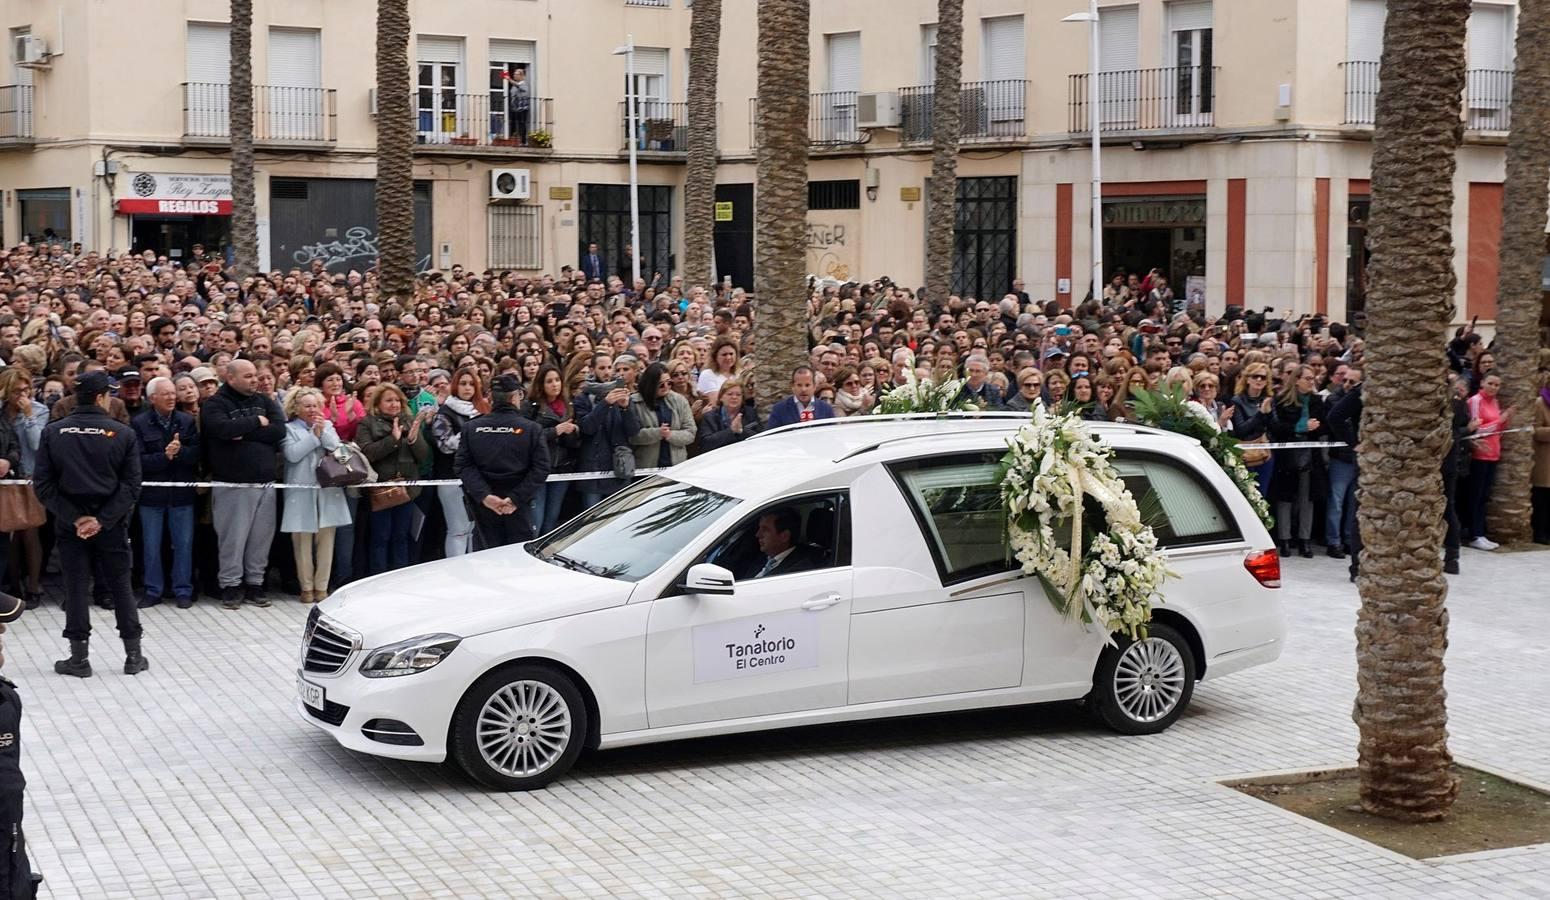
408, 657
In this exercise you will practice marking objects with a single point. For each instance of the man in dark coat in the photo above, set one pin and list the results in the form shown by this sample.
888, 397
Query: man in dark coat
503, 463
16, 878
242, 431
87, 473
169, 451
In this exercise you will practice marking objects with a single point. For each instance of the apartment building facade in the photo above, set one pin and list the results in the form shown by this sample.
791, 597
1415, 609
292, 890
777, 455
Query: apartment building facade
1236, 137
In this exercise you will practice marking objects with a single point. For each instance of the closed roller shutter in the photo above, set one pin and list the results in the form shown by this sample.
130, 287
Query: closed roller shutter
845, 61
438, 49
292, 102
1191, 16
208, 65
1118, 46
1364, 30
1004, 49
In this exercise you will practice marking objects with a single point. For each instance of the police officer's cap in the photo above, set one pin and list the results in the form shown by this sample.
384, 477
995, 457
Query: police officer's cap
92, 385
10, 608
507, 384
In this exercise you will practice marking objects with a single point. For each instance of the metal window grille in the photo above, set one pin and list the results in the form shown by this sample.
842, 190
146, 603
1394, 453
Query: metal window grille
834, 194
516, 237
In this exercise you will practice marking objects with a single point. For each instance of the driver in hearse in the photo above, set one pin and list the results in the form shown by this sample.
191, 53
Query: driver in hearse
777, 535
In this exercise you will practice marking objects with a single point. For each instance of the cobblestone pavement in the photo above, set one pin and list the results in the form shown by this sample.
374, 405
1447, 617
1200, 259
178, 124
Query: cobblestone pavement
198, 780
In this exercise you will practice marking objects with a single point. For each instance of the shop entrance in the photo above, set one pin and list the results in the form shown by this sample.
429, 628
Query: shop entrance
1164, 234
175, 236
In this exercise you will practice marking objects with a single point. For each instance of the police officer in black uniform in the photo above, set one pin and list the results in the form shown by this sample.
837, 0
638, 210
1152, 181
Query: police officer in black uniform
88, 476
503, 463
16, 878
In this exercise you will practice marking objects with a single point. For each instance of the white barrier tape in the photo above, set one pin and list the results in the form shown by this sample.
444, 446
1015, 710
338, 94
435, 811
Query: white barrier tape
282, 486
1485, 434
1295, 445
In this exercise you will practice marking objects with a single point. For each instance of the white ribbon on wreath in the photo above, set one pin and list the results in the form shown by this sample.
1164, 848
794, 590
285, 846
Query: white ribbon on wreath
1114, 581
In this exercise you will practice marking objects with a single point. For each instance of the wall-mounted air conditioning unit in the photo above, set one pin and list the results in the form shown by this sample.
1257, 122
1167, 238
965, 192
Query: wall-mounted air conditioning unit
34, 53
878, 110
510, 184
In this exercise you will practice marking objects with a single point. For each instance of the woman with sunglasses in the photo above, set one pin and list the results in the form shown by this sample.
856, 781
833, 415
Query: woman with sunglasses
1251, 412
1135, 379
1030, 391
851, 398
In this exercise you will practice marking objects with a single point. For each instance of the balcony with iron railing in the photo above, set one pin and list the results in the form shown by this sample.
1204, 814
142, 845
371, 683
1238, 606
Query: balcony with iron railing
15, 113
988, 111
1487, 96
658, 3
445, 119
292, 116
833, 121
1175, 98
661, 126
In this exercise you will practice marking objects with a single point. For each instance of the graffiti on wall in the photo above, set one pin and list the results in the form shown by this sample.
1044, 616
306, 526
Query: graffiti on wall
831, 246
359, 246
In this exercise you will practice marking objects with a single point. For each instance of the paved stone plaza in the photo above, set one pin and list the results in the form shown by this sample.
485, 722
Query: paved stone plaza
199, 780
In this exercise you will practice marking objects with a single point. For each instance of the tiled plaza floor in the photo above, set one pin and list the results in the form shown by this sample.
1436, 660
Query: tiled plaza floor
198, 780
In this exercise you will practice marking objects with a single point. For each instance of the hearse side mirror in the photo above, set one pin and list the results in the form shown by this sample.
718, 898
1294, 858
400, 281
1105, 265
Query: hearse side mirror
707, 578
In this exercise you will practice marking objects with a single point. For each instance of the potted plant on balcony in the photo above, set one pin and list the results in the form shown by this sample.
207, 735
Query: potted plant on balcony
540, 139
506, 142
465, 140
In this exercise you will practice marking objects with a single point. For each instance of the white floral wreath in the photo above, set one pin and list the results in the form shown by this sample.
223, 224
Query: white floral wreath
1112, 581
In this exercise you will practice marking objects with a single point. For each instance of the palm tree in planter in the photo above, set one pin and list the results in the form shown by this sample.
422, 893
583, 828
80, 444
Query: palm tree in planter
244, 209
700, 180
395, 153
1520, 297
1406, 771
946, 116
780, 209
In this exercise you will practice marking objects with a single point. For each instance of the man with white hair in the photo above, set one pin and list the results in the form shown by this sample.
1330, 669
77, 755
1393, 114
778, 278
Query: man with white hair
169, 451
977, 387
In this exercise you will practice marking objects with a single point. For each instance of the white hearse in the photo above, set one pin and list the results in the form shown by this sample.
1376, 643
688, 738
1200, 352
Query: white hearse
657, 615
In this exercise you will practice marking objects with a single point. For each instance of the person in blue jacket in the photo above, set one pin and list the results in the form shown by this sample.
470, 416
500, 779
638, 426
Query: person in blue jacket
802, 405
169, 451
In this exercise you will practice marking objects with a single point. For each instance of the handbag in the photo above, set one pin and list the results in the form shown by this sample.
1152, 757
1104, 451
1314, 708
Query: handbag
344, 466
19, 508
388, 496
624, 463
1252, 458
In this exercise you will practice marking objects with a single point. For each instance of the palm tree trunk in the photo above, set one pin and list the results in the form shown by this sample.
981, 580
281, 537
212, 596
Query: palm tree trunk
1519, 295
1402, 627
946, 115
244, 209
700, 180
780, 282
395, 153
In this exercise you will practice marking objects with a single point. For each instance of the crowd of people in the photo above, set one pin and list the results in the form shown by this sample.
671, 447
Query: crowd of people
253, 379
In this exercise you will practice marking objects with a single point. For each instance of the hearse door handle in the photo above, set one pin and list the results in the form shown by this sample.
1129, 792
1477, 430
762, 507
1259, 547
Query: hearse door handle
824, 602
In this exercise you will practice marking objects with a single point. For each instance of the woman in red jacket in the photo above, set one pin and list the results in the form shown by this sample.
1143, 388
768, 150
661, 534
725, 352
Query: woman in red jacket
339, 406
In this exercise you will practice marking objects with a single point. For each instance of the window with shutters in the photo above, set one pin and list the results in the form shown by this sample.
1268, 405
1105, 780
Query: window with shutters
1488, 88
516, 237
1001, 99
1119, 78
208, 70
833, 112
928, 54
1364, 48
291, 105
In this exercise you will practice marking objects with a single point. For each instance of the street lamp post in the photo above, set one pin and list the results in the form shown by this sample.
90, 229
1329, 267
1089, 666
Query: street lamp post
632, 103
1094, 120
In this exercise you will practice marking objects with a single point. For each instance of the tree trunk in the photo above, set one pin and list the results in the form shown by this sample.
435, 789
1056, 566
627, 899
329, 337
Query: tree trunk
700, 180
780, 280
395, 154
1402, 627
1519, 295
244, 209
946, 116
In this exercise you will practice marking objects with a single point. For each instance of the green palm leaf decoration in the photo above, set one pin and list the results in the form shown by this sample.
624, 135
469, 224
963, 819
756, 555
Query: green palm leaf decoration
1171, 410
